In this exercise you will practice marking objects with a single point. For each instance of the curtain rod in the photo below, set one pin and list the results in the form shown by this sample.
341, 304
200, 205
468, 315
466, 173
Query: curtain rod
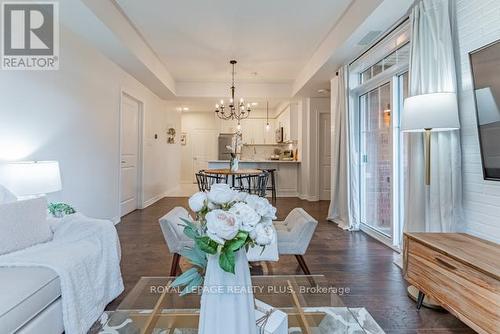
390, 31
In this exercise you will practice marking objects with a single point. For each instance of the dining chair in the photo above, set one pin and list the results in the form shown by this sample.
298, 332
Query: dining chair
253, 184
271, 184
173, 232
205, 181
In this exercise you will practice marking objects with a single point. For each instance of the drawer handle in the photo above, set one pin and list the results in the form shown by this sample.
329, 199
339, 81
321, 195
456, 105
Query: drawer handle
446, 264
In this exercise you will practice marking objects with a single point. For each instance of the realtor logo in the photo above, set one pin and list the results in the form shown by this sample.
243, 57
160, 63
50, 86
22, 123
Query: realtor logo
30, 36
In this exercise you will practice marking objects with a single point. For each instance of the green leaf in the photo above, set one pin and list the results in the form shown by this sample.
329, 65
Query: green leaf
227, 260
189, 223
206, 244
238, 241
190, 233
195, 256
185, 278
193, 285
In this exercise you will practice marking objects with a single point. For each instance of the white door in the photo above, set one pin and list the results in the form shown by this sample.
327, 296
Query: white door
130, 121
204, 147
324, 156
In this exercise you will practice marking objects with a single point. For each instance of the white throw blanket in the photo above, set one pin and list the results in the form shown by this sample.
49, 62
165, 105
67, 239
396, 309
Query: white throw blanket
85, 253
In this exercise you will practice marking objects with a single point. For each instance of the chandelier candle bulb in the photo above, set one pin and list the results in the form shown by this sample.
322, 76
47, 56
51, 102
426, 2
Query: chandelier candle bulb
236, 111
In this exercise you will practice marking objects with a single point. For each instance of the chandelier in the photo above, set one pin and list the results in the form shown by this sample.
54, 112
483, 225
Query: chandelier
234, 110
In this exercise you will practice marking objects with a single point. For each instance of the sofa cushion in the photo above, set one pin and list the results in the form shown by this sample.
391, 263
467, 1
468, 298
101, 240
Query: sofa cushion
25, 292
23, 224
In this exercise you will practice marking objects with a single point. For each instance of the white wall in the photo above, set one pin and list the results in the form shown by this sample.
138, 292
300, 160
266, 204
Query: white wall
477, 24
72, 115
308, 122
194, 122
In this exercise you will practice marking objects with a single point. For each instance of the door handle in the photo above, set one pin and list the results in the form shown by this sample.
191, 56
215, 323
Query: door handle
124, 162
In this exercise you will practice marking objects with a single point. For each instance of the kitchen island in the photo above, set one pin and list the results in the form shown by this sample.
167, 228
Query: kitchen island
287, 172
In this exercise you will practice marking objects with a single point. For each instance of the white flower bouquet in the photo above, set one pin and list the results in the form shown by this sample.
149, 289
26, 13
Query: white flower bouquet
226, 221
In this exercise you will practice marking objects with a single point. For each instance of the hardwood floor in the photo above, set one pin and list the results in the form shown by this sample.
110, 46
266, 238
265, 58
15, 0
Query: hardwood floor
347, 259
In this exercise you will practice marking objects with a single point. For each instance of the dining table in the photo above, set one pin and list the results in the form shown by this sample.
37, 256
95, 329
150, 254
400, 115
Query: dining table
228, 172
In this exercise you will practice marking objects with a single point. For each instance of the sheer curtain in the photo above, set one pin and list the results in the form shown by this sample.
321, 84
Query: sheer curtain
342, 207
437, 208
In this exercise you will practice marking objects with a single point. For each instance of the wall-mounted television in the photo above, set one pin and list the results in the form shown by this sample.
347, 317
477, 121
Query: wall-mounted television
485, 64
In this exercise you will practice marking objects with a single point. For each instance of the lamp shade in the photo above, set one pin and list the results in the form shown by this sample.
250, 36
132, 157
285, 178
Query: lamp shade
435, 112
31, 177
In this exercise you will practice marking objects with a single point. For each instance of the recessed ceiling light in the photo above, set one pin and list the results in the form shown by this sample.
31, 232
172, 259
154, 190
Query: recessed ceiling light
185, 109
323, 91
255, 104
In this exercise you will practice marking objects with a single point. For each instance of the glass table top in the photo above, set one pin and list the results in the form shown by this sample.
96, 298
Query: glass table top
313, 306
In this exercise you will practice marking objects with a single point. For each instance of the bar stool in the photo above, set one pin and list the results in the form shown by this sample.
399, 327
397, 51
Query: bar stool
271, 185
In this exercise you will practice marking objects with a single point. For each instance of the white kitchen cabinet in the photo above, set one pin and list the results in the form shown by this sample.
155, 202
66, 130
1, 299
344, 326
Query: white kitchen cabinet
283, 121
286, 179
254, 131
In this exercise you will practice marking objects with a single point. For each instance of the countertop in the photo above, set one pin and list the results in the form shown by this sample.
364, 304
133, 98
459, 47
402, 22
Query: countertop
258, 161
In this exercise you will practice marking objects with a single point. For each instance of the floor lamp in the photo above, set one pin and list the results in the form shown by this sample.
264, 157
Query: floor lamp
429, 113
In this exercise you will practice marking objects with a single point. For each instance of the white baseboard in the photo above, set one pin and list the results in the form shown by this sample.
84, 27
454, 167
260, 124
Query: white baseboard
285, 194
116, 220
174, 190
153, 200
308, 198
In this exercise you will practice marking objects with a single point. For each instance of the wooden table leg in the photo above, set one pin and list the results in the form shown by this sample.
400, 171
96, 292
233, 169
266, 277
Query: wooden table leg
153, 318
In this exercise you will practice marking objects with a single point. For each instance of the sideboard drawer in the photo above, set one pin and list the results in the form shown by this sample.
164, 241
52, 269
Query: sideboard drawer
443, 286
458, 271
465, 290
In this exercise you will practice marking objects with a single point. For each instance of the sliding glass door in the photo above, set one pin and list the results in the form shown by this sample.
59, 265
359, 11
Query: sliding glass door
377, 159
383, 156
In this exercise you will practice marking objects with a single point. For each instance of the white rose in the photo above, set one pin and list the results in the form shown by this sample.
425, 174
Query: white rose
261, 205
221, 225
271, 212
240, 196
247, 216
221, 193
263, 234
197, 201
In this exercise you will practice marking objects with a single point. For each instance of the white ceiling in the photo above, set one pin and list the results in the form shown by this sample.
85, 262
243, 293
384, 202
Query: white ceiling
207, 104
272, 40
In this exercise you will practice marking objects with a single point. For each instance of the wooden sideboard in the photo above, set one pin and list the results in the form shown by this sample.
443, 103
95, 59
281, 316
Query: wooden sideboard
458, 270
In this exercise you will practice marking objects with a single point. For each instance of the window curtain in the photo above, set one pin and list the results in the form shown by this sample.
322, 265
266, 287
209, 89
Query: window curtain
342, 209
438, 207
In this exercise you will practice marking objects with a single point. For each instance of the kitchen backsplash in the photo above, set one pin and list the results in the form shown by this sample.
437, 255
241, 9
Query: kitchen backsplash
261, 152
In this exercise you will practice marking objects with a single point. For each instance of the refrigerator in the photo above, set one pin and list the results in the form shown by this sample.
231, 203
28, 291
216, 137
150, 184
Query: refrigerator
225, 139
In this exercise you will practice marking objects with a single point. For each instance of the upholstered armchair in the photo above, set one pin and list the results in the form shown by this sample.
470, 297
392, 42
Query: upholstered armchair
295, 234
173, 232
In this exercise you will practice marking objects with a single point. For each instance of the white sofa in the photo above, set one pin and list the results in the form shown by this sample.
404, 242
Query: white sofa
30, 301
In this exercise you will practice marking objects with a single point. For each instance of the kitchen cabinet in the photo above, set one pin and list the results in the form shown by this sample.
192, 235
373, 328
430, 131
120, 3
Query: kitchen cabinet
254, 131
287, 173
288, 119
283, 121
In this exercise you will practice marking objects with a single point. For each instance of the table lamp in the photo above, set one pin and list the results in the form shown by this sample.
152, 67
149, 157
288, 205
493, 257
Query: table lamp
31, 178
430, 113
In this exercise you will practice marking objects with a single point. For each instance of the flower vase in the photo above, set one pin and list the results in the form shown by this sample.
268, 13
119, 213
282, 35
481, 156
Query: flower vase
234, 164
227, 302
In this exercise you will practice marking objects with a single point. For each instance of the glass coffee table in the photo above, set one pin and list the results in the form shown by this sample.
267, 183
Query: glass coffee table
313, 307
